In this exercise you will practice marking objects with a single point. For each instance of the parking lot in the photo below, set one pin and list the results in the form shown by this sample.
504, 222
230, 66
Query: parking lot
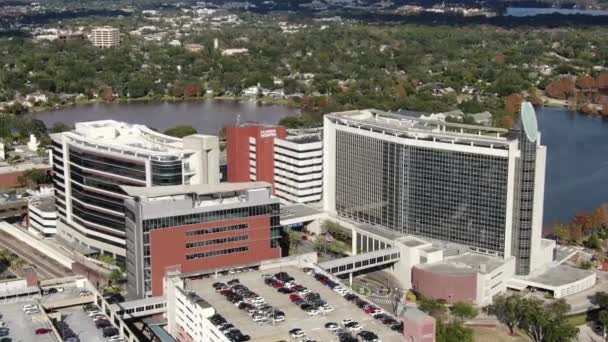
23, 327
313, 326
82, 325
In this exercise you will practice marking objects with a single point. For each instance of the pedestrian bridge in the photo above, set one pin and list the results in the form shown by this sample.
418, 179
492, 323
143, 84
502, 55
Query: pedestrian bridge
140, 307
360, 262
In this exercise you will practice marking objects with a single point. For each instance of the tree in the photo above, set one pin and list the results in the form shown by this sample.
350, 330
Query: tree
59, 127
337, 231
584, 220
593, 242
602, 319
546, 322
33, 177
561, 233
453, 332
508, 309
464, 311
181, 131
294, 239
576, 233
601, 299
431, 307
108, 259
117, 276
513, 103
507, 121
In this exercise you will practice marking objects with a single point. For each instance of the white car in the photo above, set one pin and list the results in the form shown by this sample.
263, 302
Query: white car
259, 318
117, 338
313, 312
327, 308
32, 312
95, 313
346, 321
332, 326
27, 307
85, 293
279, 318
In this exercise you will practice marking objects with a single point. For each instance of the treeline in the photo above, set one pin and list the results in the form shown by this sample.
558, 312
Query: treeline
425, 68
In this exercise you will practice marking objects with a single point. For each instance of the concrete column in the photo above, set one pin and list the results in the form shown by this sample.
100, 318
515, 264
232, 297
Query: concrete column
350, 279
148, 172
354, 243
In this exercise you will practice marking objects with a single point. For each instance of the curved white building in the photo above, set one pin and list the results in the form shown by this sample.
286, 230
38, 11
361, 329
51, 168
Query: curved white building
93, 161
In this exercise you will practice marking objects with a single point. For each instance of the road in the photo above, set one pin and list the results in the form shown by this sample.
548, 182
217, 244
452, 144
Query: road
45, 267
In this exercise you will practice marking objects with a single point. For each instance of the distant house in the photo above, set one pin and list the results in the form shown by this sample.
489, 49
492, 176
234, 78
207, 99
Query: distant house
37, 97
231, 52
277, 94
252, 91
193, 47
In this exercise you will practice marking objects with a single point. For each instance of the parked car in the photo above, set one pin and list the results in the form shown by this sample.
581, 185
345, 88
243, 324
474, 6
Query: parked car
32, 312
30, 307
109, 331
42, 331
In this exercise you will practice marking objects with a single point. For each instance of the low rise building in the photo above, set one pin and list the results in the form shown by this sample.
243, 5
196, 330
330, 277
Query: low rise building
469, 278
42, 216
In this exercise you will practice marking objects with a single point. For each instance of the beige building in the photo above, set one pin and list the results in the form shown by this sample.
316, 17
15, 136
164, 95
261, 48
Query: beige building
105, 37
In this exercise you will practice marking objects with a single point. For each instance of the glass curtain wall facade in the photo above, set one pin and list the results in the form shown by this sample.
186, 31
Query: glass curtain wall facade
452, 196
524, 203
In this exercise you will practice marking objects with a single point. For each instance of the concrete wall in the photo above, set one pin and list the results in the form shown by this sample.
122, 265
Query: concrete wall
418, 327
11, 285
451, 288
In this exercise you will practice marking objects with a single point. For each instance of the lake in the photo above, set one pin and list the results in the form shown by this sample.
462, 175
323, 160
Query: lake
577, 145
532, 11
207, 117
577, 162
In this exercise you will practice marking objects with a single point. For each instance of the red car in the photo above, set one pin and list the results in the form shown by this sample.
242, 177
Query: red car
371, 310
294, 298
277, 284
42, 331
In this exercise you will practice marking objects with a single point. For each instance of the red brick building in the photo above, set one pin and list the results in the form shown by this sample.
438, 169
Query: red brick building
250, 151
197, 227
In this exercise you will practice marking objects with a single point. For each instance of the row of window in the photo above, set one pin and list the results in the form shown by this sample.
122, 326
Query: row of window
219, 215
108, 164
216, 253
216, 230
217, 241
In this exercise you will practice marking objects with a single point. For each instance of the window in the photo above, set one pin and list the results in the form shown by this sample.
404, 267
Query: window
217, 253
217, 241
216, 230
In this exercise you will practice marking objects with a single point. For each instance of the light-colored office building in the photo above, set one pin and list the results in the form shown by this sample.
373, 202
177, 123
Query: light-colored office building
91, 162
298, 166
476, 186
105, 37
